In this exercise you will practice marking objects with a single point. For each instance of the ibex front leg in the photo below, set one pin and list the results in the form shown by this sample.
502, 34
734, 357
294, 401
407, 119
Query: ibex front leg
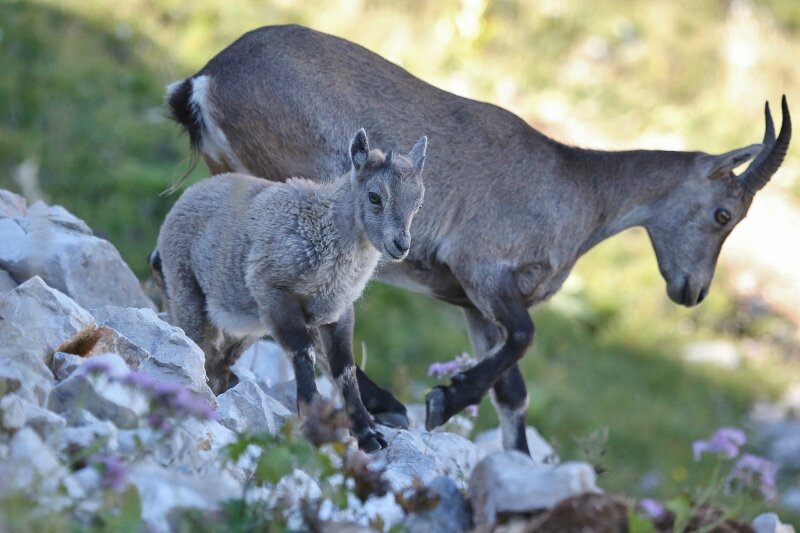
505, 308
337, 341
284, 318
509, 395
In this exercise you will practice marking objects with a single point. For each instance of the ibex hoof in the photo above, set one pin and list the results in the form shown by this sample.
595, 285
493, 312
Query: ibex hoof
393, 420
372, 441
435, 414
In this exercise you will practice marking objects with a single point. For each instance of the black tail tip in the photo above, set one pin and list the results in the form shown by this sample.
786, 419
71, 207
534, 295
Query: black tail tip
183, 111
154, 260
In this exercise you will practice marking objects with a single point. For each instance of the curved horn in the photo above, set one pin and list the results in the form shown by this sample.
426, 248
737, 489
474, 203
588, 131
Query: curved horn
769, 160
388, 160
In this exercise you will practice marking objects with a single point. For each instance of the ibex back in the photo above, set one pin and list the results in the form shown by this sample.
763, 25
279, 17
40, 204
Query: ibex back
507, 211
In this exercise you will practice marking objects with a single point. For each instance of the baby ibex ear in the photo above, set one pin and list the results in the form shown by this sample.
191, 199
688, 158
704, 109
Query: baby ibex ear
417, 154
359, 149
720, 166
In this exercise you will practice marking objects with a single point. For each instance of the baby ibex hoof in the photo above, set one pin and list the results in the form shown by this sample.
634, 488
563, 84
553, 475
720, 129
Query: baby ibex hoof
372, 442
394, 420
435, 408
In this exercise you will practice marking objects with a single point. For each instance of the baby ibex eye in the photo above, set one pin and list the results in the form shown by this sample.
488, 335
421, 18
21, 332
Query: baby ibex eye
374, 198
722, 216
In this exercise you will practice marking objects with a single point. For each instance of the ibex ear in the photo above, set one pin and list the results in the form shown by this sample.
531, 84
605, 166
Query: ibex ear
417, 154
359, 149
720, 166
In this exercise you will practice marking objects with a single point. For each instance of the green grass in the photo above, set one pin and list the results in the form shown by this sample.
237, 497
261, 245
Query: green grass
81, 94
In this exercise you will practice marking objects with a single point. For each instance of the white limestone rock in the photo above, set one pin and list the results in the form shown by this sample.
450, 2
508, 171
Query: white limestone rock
163, 490
30, 468
413, 454
491, 441
35, 320
510, 482
50, 242
99, 435
100, 393
264, 361
770, 523
17, 412
7, 283
64, 364
11, 204
172, 355
451, 514
246, 407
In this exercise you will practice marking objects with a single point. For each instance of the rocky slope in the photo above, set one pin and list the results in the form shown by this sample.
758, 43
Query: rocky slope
105, 416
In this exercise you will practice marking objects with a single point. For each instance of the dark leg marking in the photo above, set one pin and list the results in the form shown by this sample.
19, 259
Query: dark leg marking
508, 393
384, 407
337, 341
469, 387
285, 319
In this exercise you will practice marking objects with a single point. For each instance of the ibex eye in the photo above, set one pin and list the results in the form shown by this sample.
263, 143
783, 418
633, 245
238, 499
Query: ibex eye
722, 216
374, 199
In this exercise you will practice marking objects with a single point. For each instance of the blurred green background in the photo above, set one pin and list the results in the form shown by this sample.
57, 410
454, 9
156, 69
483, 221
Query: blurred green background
82, 124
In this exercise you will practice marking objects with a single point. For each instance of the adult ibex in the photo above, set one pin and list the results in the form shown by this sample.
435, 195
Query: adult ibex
507, 210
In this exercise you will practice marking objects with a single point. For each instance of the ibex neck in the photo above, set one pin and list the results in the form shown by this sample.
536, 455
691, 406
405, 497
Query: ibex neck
344, 212
625, 187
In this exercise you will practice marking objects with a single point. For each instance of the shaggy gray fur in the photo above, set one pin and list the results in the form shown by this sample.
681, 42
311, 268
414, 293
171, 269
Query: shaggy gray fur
244, 257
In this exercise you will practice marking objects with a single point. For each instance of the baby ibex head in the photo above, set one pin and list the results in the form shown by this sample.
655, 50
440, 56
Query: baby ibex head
389, 192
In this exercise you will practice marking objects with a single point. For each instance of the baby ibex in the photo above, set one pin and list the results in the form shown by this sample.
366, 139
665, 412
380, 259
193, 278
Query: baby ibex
244, 257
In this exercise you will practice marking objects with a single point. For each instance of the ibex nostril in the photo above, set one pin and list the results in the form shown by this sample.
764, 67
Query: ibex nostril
702, 295
402, 245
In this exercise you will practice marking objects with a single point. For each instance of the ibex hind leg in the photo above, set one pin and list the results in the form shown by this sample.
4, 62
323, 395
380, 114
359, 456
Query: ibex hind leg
228, 349
186, 306
509, 394
381, 404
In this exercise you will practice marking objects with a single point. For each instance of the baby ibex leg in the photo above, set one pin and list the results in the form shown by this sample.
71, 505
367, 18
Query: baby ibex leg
337, 342
287, 324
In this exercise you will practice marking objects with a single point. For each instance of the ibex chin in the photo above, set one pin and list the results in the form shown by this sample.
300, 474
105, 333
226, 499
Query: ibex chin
243, 257
508, 210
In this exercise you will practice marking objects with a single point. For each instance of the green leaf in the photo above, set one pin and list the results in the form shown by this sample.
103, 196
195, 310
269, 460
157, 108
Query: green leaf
638, 523
235, 449
273, 465
681, 505
131, 508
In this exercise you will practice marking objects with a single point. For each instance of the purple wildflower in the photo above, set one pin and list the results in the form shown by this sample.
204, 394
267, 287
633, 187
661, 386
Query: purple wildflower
440, 370
655, 510
169, 397
451, 367
115, 475
752, 470
160, 422
193, 405
725, 441
472, 410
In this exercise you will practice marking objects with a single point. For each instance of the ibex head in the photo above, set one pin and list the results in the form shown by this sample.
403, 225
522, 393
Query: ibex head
389, 192
691, 223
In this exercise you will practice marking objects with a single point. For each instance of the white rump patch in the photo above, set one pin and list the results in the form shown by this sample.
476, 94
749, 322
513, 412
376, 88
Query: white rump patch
213, 142
236, 324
